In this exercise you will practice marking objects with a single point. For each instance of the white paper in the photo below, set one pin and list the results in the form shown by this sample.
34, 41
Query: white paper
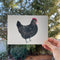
14, 37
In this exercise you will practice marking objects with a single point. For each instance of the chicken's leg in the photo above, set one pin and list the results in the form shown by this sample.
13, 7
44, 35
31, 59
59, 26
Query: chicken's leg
26, 40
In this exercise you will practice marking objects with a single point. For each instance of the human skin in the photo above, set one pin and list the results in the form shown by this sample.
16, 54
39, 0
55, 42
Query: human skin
53, 45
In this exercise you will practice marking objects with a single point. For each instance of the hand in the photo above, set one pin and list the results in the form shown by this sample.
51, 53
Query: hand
54, 46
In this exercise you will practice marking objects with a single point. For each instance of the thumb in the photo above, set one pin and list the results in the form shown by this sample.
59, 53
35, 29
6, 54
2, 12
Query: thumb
49, 44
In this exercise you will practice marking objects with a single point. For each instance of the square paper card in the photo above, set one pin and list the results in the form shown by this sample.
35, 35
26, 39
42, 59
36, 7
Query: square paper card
27, 29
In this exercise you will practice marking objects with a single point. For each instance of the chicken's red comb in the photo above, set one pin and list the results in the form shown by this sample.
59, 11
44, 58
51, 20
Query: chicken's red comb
34, 19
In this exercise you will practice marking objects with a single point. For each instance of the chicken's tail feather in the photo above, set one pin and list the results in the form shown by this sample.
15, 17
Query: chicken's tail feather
18, 24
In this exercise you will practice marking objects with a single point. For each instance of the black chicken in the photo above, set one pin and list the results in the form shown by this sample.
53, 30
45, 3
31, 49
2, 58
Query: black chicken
29, 30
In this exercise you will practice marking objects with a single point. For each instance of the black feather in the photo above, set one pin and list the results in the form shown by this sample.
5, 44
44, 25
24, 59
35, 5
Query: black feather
27, 31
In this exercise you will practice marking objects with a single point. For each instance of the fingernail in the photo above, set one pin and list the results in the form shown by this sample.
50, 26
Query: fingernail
46, 41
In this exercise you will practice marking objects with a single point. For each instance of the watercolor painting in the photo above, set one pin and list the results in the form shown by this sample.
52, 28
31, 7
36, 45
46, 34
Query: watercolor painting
27, 29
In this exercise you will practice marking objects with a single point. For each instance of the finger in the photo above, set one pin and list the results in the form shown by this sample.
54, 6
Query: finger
46, 47
53, 41
49, 44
